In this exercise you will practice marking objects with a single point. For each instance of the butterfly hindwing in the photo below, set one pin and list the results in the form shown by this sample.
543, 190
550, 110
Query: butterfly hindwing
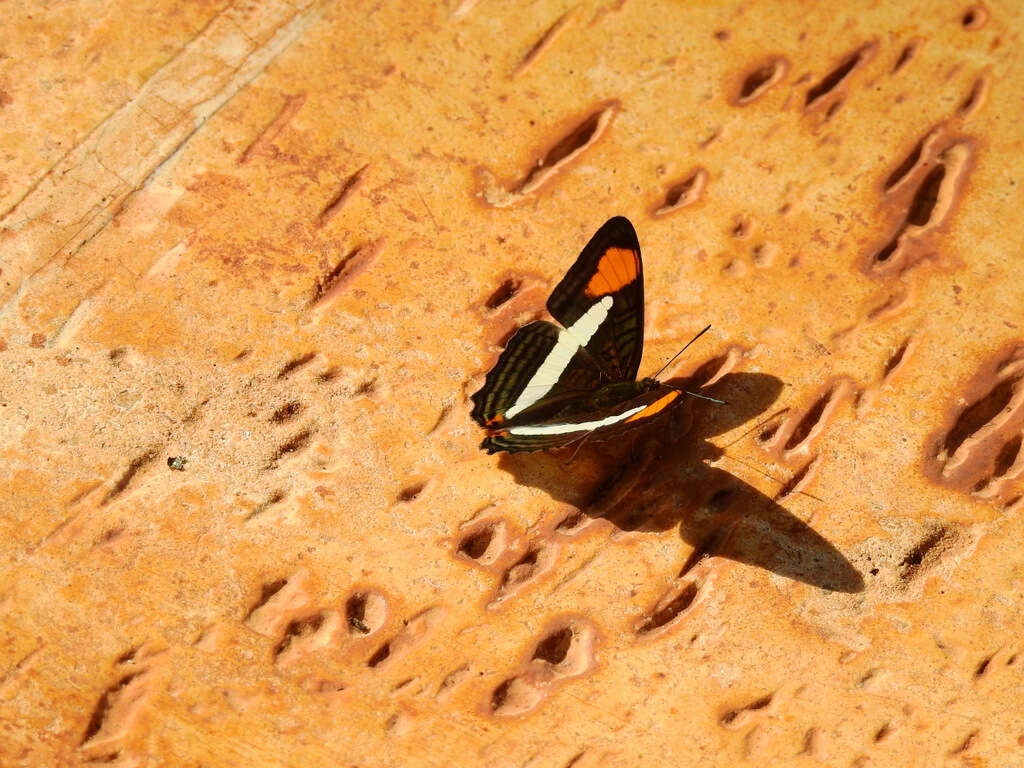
541, 371
503, 441
608, 273
565, 429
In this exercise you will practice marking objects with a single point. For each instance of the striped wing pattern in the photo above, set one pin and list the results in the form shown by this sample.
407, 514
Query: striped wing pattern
515, 443
609, 265
520, 375
566, 429
542, 391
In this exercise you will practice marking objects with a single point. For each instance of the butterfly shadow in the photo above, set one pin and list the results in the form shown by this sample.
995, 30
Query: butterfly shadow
662, 478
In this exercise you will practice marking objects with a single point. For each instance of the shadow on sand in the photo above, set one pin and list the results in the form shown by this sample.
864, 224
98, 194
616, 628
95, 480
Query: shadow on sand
661, 479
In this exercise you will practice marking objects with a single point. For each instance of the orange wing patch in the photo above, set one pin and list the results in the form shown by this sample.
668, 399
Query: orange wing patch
656, 407
617, 268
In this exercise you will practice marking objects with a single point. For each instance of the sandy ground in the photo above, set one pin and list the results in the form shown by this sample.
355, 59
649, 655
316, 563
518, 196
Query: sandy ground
254, 258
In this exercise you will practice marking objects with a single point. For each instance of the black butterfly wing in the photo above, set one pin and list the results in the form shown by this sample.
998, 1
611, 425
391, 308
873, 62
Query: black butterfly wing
542, 371
568, 427
606, 283
504, 441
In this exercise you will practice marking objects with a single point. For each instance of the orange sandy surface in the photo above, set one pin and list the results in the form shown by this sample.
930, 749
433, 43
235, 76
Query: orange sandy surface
285, 242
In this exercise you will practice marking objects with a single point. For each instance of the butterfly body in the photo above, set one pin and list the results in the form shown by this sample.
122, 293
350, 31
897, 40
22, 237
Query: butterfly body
555, 385
616, 392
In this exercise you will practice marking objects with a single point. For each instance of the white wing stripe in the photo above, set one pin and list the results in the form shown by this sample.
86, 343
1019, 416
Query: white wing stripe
584, 426
558, 359
585, 328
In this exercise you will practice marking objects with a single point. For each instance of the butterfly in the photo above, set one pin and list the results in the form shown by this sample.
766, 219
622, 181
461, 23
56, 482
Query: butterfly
554, 385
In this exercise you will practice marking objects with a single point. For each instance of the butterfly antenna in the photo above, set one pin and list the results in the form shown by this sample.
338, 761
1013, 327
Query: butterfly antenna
677, 354
705, 397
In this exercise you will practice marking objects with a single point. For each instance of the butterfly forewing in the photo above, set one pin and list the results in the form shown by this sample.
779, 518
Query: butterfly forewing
608, 272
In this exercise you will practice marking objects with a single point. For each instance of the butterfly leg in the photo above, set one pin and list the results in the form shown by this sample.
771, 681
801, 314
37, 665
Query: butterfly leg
632, 449
579, 444
680, 420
